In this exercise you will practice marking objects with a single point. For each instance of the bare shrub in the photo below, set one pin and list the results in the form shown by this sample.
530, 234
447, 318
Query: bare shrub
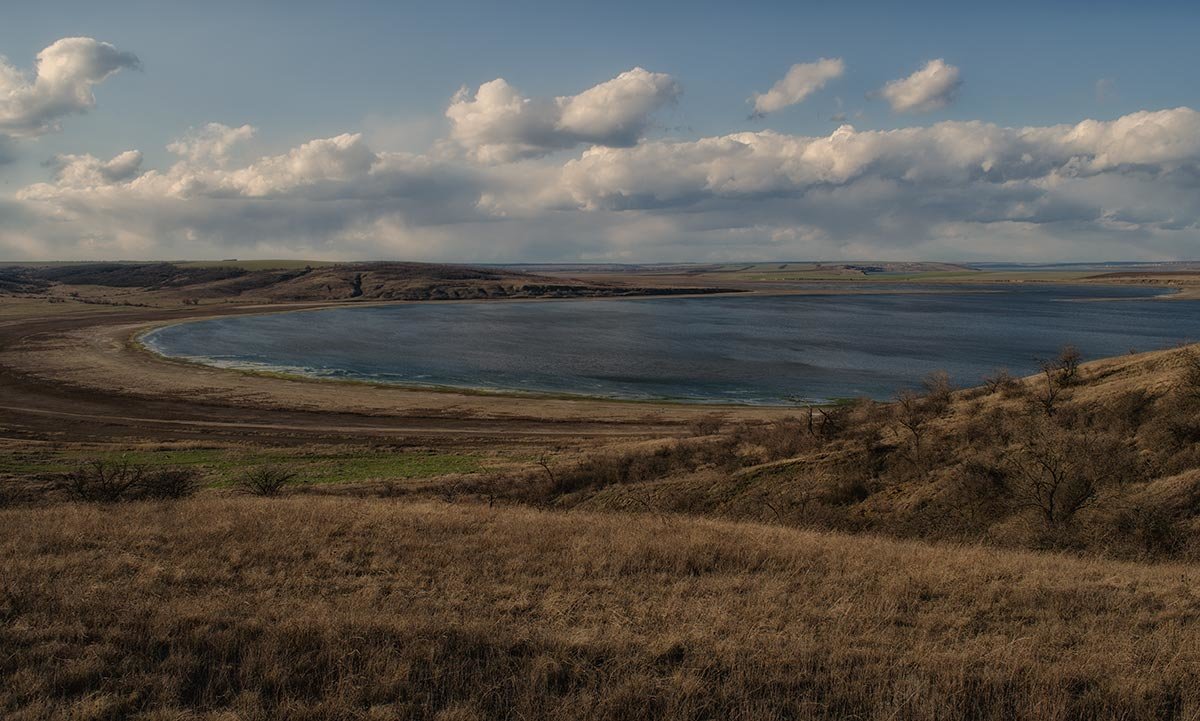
912, 412
847, 491
783, 438
169, 483
1067, 363
101, 481
1000, 382
1155, 530
265, 480
707, 425
1058, 472
1046, 394
939, 390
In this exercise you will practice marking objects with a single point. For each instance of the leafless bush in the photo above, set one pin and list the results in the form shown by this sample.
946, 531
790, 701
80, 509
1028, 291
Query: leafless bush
1048, 390
846, 491
939, 390
265, 480
1059, 472
1000, 382
1068, 361
912, 413
101, 481
707, 425
169, 483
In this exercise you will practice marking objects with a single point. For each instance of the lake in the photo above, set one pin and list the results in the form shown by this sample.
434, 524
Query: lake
750, 349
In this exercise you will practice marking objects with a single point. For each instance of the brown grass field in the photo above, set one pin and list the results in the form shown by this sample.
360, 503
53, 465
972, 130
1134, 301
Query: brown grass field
1027, 549
332, 608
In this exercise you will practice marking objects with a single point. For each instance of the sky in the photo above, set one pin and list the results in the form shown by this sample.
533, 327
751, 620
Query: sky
615, 132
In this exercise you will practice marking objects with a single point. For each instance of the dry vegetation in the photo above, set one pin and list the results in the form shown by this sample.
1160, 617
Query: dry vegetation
306, 608
1022, 550
1101, 458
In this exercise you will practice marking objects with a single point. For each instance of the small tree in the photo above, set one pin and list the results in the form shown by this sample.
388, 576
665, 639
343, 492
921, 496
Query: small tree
1068, 361
912, 412
1059, 473
1047, 394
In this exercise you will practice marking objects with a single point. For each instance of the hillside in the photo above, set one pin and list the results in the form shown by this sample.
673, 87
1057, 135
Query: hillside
372, 609
192, 283
1103, 458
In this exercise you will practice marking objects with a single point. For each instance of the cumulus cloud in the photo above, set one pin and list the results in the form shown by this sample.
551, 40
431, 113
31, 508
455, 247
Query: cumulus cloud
801, 80
930, 88
87, 171
212, 143
949, 154
61, 85
1120, 188
498, 124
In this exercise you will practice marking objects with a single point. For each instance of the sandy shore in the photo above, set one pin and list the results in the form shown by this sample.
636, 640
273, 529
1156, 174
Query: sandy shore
82, 375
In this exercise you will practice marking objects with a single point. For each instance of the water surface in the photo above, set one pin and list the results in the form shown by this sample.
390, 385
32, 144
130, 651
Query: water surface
733, 349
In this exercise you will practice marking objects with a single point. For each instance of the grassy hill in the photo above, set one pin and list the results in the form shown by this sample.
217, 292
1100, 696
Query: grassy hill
1100, 458
270, 281
1026, 549
308, 608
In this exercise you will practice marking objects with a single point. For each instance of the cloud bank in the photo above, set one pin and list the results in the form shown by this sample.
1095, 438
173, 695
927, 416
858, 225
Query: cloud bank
588, 177
1121, 188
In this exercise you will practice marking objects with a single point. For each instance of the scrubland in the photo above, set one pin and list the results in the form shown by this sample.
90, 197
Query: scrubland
1026, 549
318, 608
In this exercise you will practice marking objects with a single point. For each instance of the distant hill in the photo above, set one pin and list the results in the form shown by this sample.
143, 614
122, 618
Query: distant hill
331, 282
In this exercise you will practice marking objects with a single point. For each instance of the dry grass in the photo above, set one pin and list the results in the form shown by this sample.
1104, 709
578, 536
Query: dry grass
334, 608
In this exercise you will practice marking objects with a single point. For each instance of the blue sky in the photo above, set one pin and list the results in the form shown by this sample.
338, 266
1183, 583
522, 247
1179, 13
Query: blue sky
299, 71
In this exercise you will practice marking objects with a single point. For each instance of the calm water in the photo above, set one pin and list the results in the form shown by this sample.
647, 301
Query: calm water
738, 349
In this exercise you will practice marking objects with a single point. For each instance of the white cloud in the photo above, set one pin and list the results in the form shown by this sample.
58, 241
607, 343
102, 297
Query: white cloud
1122, 188
930, 88
86, 171
61, 85
801, 80
497, 124
948, 154
211, 143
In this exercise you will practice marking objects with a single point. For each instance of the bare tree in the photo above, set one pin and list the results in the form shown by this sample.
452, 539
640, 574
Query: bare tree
912, 412
1047, 394
1067, 363
1058, 472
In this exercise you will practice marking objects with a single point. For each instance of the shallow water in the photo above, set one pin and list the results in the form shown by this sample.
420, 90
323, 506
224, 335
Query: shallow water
734, 349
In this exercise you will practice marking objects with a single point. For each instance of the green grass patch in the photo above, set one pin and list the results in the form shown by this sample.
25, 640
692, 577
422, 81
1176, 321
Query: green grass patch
222, 467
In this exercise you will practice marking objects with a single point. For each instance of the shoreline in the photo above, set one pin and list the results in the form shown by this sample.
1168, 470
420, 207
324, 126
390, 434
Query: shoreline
138, 341
79, 373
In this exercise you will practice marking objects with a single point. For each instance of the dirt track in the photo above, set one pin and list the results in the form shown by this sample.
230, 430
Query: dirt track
75, 377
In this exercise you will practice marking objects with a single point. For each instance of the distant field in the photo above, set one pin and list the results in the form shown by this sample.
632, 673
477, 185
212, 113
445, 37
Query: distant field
256, 264
973, 276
